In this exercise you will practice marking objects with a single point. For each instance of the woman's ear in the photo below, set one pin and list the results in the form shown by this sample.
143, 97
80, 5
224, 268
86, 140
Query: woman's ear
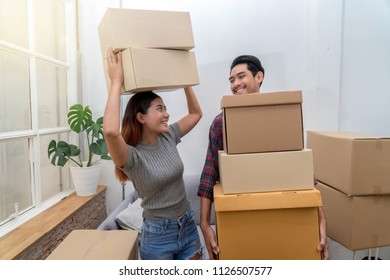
140, 117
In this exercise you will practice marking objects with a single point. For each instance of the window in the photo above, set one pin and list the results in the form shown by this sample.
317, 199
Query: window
37, 80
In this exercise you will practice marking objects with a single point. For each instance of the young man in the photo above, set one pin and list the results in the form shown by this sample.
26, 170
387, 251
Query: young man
246, 76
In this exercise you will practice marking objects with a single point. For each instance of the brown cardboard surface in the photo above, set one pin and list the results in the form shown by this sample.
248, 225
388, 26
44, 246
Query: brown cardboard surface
356, 164
274, 225
97, 245
264, 122
156, 69
265, 200
356, 222
263, 99
124, 28
265, 172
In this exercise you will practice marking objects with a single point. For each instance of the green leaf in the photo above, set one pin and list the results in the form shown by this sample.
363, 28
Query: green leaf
61, 152
95, 149
96, 130
73, 151
100, 148
79, 118
106, 157
103, 144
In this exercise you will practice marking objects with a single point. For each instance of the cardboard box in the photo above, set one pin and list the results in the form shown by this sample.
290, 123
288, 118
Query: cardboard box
265, 122
355, 164
97, 245
124, 28
267, 226
264, 172
356, 222
154, 69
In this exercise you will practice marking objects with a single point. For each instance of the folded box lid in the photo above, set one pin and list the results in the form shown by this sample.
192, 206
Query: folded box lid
265, 200
346, 135
256, 99
91, 244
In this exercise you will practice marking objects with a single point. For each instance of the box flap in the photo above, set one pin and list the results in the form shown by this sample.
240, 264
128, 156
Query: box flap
349, 135
97, 245
265, 200
255, 99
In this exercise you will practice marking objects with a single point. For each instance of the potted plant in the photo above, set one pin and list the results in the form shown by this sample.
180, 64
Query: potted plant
80, 121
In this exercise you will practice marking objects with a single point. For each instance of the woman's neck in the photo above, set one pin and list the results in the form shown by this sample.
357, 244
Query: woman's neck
149, 137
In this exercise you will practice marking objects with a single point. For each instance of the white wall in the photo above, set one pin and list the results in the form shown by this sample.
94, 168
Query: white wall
335, 51
365, 76
348, 66
322, 70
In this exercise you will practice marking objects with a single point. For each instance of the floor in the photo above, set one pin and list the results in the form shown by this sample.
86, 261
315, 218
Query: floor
339, 252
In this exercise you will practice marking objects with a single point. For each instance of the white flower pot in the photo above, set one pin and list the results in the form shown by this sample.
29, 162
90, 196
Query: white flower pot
85, 179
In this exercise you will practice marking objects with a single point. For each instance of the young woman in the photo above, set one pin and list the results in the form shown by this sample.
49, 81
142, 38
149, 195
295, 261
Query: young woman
145, 152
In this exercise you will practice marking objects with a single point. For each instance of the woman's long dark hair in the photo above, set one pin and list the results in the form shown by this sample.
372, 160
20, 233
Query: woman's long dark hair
131, 127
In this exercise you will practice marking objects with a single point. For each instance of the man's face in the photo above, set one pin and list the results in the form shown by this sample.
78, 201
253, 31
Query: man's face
242, 80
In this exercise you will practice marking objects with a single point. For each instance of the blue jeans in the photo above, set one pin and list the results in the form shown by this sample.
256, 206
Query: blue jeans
176, 239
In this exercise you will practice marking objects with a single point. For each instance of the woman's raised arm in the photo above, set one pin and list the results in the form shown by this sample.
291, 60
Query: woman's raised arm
189, 121
111, 127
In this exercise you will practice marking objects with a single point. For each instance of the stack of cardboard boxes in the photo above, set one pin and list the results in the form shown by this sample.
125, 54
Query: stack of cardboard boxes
156, 48
266, 205
353, 171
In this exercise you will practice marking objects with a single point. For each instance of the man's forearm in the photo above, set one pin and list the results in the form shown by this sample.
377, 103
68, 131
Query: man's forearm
205, 211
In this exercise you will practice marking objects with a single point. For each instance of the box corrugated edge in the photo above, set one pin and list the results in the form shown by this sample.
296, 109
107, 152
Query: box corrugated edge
264, 201
256, 99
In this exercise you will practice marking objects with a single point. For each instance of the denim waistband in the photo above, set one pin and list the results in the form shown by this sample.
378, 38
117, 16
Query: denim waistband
186, 216
181, 219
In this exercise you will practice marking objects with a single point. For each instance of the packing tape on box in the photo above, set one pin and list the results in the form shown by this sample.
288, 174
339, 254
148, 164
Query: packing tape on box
374, 241
377, 200
377, 189
118, 50
379, 144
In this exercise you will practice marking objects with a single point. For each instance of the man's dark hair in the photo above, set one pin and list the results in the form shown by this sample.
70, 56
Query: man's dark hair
253, 63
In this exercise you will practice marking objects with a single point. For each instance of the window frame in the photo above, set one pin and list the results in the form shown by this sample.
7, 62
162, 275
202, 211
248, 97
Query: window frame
33, 135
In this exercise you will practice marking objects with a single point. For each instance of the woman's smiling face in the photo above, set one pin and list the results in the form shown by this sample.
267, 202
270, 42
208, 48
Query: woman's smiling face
156, 118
